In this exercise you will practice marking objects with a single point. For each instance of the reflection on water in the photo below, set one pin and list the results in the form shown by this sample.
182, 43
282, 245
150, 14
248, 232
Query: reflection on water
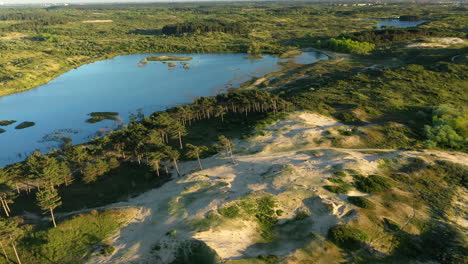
60, 108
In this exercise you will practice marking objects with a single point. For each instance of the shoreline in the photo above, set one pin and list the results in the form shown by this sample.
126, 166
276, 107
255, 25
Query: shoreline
41, 82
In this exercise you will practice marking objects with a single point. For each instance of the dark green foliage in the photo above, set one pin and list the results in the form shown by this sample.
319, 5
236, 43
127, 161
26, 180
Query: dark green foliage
101, 116
2, 130
391, 225
206, 26
7, 122
107, 249
347, 237
372, 183
279, 212
172, 232
301, 215
452, 173
268, 259
361, 202
25, 124
196, 252
339, 189
230, 211
389, 35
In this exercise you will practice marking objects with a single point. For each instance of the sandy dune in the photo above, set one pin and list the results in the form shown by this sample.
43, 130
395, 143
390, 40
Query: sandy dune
266, 166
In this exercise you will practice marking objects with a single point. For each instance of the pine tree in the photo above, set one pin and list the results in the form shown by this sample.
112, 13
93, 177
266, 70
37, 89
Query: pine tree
48, 200
227, 145
9, 233
195, 152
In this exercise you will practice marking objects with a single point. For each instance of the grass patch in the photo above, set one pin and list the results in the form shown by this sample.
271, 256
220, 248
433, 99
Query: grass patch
101, 116
73, 239
361, 202
25, 124
6, 122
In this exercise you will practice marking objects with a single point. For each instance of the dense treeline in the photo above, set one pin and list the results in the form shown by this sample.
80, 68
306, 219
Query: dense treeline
206, 26
389, 35
346, 45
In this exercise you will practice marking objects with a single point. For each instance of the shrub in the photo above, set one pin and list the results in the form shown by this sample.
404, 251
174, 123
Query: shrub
340, 173
454, 174
172, 232
347, 237
279, 212
107, 249
361, 202
339, 189
373, 184
301, 215
391, 225
230, 212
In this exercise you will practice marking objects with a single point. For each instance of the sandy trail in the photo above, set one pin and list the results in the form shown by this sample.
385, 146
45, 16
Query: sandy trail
295, 177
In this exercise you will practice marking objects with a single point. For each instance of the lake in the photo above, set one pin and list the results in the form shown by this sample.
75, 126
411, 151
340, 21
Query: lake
61, 107
399, 23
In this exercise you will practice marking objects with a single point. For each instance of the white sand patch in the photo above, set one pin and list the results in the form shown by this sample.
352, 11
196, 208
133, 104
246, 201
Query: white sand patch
437, 43
98, 21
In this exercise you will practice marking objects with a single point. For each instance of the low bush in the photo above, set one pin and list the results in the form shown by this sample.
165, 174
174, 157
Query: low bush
361, 202
339, 189
372, 184
347, 237
230, 211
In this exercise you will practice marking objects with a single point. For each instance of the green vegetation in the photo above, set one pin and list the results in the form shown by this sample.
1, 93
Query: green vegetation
168, 58
230, 211
101, 116
25, 124
372, 183
410, 95
2, 130
7, 122
347, 237
60, 245
361, 202
346, 46
339, 189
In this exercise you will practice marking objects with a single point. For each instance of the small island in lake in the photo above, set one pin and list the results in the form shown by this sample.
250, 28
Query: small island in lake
168, 58
6, 122
2, 130
25, 124
101, 116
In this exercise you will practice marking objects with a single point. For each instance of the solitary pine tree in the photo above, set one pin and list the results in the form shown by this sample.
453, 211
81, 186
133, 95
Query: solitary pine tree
195, 152
48, 200
227, 145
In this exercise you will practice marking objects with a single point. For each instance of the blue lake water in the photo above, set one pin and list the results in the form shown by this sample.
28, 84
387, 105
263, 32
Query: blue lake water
61, 107
399, 23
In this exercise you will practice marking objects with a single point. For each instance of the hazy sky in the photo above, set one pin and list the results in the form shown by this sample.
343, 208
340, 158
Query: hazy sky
72, 1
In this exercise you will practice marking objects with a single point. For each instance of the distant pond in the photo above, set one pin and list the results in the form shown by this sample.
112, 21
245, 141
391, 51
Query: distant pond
396, 23
117, 88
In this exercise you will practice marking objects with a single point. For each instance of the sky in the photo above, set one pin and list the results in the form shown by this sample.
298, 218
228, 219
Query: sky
72, 1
